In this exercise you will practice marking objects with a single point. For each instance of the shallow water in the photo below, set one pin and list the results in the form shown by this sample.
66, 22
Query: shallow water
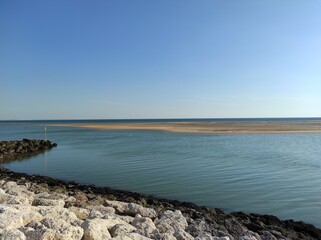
277, 174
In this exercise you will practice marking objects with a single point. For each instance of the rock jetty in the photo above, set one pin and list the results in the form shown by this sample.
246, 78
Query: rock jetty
10, 150
39, 207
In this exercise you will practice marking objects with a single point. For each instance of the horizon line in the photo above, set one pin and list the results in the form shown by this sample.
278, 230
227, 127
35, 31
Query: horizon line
122, 119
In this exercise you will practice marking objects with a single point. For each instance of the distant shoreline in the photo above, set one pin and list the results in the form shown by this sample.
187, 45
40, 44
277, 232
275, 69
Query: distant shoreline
210, 127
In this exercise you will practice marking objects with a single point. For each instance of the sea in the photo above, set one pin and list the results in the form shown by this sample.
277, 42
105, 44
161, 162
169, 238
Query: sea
278, 174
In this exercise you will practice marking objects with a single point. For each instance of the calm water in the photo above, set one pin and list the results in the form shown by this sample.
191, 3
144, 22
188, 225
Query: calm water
276, 174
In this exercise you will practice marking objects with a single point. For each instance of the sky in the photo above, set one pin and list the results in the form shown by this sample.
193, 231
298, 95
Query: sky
124, 59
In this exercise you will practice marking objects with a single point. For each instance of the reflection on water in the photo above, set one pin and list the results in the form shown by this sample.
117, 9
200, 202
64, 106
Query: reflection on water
276, 174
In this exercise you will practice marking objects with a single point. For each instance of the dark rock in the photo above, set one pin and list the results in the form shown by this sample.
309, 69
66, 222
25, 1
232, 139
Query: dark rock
12, 150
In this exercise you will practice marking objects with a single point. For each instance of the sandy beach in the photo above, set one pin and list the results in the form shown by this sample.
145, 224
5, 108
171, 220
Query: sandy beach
226, 127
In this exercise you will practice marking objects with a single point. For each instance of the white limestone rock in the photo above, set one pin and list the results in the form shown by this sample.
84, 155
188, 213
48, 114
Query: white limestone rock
18, 200
41, 234
63, 230
112, 220
96, 229
3, 197
10, 218
145, 227
81, 213
222, 238
48, 202
131, 236
166, 236
60, 212
28, 217
205, 236
171, 221
127, 219
132, 209
102, 209
13, 234
2, 182
95, 214
9, 185
119, 206
121, 229
249, 235
180, 234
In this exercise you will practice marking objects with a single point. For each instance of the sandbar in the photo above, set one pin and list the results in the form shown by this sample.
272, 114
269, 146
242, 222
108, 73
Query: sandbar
219, 127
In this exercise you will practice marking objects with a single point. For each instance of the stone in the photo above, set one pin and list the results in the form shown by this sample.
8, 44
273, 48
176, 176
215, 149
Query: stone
63, 230
266, 235
48, 202
132, 209
198, 228
35, 230
112, 220
95, 214
95, 229
102, 209
121, 229
145, 227
59, 212
29, 216
119, 206
171, 221
222, 238
81, 213
12, 200
249, 235
180, 234
131, 236
13, 234
166, 236
10, 218
205, 236
9, 185
127, 219
3, 197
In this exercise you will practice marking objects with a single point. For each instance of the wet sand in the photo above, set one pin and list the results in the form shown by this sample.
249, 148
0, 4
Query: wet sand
226, 127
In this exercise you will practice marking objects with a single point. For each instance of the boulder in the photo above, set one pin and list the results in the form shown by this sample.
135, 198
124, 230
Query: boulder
131, 236
59, 212
249, 235
96, 229
171, 221
81, 213
102, 209
10, 218
132, 209
166, 236
145, 227
121, 229
205, 236
63, 230
48, 202
180, 234
266, 235
13, 234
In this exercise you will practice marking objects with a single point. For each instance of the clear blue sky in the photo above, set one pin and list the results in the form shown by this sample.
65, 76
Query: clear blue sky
160, 59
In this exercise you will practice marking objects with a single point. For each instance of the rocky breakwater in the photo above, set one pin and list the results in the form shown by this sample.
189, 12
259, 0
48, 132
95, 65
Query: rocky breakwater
10, 150
38, 207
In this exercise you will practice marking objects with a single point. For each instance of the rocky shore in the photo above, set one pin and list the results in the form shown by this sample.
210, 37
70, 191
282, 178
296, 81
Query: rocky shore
39, 207
10, 150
